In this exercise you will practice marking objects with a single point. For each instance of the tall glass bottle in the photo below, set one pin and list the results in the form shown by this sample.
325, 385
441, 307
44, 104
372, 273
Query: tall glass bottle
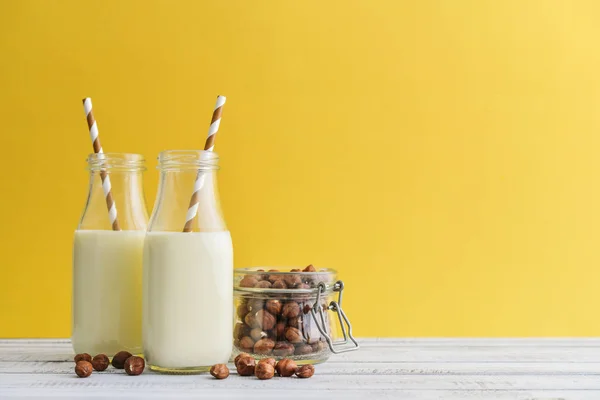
188, 276
107, 258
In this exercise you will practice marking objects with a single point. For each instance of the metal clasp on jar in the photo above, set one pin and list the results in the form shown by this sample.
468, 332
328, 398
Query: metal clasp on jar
337, 346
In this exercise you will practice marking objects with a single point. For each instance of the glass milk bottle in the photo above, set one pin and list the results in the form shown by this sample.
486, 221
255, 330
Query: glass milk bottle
188, 268
107, 257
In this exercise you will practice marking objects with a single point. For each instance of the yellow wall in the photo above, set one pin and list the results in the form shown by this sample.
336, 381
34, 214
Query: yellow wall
443, 155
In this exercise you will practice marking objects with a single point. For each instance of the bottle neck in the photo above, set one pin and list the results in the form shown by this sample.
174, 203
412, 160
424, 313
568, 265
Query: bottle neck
116, 194
187, 199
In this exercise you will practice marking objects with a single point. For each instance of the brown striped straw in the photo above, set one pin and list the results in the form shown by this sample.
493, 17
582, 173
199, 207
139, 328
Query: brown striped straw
208, 146
110, 204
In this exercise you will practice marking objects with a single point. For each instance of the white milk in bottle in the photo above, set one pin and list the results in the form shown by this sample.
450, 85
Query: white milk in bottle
188, 276
107, 259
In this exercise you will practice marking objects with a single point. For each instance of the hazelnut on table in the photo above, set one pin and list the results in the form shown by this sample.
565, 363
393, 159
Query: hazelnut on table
305, 371
83, 369
119, 359
286, 367
264, 371
245, 366
82, 357
100, 362
219, 371
134, 365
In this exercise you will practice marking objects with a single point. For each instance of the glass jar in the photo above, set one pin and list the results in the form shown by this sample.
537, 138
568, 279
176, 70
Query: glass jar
107, 257
188, 296
290, 314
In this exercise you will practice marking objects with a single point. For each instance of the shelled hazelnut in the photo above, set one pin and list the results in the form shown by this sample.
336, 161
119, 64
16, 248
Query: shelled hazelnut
100, 362
286, 367
270, 361
219, 371
119, 359
264, 371
83, 368
134, 365
305, 371
82, 357
264, 346
245, 366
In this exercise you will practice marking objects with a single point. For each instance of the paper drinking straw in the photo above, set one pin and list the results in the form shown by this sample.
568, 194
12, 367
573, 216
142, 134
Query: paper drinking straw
110, 204
208, 146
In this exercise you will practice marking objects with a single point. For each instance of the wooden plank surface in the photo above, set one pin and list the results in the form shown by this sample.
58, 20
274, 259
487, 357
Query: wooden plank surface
523, 369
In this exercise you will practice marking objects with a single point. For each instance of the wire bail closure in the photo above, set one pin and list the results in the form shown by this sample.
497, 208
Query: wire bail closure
341, 346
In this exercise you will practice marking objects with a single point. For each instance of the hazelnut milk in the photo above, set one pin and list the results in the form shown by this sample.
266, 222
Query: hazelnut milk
107, 291
188, 299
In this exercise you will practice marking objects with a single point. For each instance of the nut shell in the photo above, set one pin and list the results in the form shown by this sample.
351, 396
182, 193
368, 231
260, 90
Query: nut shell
100, 362
305, 371
245, 366
264, 371
293, 335
237, 358
286, 367
83, 369
271, 361
265, 320
291, 309
82, 357
264, 346
283, 349
273, 306
134, 365
219, 371
119, 359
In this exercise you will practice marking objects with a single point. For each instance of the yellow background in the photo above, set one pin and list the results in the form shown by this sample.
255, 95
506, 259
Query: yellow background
442, 155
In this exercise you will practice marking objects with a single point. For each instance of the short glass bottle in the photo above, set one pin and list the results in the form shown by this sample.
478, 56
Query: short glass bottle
188, 293
107, 257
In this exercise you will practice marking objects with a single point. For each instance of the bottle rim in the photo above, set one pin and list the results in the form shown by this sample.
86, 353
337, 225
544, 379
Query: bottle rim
176, 160
113, 162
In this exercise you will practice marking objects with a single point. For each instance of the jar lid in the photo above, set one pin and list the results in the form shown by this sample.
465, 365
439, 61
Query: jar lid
283, 279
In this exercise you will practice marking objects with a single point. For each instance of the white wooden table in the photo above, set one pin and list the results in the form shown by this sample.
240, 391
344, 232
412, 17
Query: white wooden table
382, 369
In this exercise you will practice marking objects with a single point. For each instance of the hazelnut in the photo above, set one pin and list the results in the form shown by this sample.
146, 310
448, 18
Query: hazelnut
263, 276
255, 305
270, 361
248, 281
283, 349
303, 349
305, 371
265, 320
246, 343
274, 277
292, 280
82, 357
295, 270
258, 277
256, 334
263, 285
134, 365
273, 306
280, 330
240, 330
279, 284
100, 362
310, 268
293, 335
219, 371
264, 346
251, 320
242, 310
237, 358
302, 286
290, 310
119, 359
286, 367
83, 368
245, 366
264, 371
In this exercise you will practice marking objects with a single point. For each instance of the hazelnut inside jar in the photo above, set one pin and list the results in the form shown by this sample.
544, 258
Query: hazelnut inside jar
276, 313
